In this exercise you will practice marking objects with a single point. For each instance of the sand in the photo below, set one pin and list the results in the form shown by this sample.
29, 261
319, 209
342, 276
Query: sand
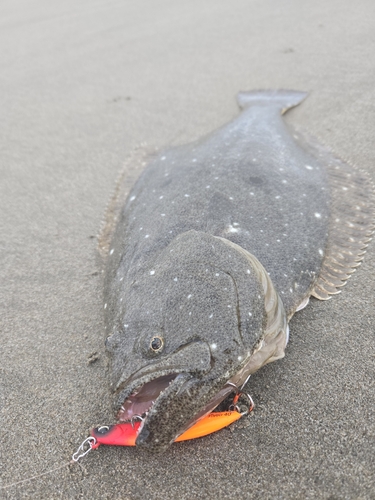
82, 84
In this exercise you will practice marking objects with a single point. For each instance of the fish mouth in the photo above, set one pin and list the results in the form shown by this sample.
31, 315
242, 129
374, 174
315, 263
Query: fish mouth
146, 400
137, 405
140, 391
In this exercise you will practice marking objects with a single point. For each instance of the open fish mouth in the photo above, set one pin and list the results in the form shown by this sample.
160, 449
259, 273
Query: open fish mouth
140, 401
142, 398
141, 391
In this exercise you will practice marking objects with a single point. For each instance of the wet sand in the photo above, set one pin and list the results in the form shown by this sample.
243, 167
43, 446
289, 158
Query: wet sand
82, 85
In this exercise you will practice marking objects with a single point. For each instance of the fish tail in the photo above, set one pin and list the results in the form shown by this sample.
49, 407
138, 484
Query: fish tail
281, 99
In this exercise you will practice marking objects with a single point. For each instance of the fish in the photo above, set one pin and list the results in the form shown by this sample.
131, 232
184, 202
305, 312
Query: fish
216, 246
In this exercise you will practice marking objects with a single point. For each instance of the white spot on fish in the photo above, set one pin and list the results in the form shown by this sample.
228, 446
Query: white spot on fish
189, 296
105, 306
210, 316
111, 252
318, 216
248, 271
250, 314
152, 272
252, 194
277, 197
344, 188
213, 346
217, 274
126, 326
194, 160
161, 197
163, 215
175, 279
207, 187
284, 181
320, 251
239, 358
147, 236
163, 158
187, 195
132, 198
232, 229
308, 167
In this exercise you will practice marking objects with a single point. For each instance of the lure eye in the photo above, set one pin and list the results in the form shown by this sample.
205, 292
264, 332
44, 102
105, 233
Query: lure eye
157, 344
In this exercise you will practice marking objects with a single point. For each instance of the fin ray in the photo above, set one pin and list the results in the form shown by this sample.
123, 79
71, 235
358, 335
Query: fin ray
352, 221
129, 173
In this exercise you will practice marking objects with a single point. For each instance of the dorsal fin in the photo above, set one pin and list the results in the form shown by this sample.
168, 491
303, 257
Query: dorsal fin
126, 179
352, 220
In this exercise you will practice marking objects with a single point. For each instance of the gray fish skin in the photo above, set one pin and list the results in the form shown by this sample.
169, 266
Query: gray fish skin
176, 270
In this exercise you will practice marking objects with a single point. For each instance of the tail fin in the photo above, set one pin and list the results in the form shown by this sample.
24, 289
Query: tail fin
282, 99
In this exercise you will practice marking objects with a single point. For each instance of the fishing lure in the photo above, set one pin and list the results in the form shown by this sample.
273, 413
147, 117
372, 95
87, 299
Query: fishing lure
125, 434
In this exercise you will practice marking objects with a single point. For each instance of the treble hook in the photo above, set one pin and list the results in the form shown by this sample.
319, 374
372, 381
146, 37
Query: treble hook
239, 394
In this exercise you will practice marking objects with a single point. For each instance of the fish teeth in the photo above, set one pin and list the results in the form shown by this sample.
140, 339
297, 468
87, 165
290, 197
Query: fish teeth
135, 417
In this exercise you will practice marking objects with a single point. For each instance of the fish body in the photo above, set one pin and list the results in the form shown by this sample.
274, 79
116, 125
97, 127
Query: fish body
218, 244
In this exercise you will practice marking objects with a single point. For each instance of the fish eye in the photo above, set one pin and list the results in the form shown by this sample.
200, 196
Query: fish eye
157, 343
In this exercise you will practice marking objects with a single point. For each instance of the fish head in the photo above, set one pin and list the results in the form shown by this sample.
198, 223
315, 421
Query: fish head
190, 323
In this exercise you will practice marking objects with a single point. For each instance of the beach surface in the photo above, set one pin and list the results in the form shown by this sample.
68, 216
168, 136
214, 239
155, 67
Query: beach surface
82, 85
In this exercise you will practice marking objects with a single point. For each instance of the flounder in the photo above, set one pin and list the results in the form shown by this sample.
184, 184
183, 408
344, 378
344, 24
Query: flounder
218, 244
